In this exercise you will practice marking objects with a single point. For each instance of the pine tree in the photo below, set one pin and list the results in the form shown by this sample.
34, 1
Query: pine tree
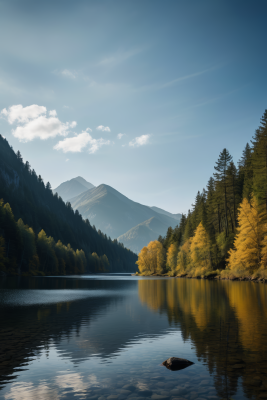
259, 163
221, 167
246, 172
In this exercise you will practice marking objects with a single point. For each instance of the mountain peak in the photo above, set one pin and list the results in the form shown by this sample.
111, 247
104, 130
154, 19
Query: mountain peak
73, 188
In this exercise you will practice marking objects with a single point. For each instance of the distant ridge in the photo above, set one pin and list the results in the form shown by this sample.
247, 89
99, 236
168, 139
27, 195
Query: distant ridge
73, 188
160, 211
116, 215
139, 236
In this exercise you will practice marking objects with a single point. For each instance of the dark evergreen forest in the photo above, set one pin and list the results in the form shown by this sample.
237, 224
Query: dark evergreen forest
225, 231
40, 234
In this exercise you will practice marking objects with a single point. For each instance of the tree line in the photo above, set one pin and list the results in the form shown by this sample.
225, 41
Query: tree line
25, 253
226, 230
33, 201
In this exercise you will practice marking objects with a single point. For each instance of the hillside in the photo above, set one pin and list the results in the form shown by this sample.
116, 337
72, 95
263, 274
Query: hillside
72, 188
160, 211
113, 213
139, 236
34, 202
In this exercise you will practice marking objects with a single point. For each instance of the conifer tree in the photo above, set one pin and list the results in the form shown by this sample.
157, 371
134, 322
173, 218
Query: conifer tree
259, 163
200, 250
246, 172
221, 167
246, 255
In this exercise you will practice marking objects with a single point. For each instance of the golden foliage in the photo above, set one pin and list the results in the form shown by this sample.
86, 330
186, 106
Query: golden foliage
184, 257
246, 255
200, 251
194, 255
171, 262
151, 258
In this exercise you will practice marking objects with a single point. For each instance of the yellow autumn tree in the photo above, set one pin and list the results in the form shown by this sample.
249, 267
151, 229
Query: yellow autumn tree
151, 258
263, 264
184, 257
246, 255
200, 251
171, 262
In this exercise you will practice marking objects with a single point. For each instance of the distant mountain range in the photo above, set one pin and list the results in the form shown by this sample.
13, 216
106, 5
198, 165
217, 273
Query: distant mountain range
73, 188
133, 224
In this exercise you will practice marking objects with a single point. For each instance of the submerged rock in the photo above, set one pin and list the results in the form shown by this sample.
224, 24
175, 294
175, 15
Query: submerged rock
175, 363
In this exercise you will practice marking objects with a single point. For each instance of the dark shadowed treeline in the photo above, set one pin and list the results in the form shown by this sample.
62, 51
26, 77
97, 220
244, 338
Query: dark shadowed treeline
23, 252
226, 228
33, 214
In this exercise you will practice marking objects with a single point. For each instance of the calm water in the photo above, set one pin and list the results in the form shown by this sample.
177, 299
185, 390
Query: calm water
105, 337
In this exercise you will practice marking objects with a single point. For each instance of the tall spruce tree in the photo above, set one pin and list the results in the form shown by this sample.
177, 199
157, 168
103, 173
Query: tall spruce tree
259, 163
221, 167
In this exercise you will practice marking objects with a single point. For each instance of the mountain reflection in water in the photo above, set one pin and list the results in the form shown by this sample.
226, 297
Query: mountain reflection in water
95, 337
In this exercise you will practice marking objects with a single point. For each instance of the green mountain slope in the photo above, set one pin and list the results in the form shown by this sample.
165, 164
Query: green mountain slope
34, 202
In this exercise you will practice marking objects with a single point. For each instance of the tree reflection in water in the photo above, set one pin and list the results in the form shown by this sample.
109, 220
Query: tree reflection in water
225, 320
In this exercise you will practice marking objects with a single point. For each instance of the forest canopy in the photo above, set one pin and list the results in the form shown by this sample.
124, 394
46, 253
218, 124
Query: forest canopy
226, 231
39, 232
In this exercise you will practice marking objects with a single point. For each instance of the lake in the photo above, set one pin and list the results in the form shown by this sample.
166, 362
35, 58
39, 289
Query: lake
106, 336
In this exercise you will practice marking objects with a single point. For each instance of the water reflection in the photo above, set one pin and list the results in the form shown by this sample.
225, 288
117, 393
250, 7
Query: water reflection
95, 338
226, 322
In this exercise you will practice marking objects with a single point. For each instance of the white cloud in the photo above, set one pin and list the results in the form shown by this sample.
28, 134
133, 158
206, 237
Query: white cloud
103, 128
53, 113
139, 141
67, 159
23, 114
68, 74
73, 124
33, 123
95, 144
120, 135
77, 143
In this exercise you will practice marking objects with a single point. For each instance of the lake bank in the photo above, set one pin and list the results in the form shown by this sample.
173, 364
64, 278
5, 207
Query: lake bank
250, 278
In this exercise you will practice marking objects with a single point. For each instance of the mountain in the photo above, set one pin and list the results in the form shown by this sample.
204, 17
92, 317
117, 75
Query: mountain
160, 211
72, 188
34, 202
115, 214
139, 236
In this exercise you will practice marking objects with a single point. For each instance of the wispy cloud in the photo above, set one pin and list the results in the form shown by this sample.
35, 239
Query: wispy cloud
120, 135
69, 74
119, 57
33, 122
77, 143
139, 141
103, 128
183, 78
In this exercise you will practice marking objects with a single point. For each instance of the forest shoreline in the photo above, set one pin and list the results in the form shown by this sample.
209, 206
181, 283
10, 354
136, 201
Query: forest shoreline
210, 277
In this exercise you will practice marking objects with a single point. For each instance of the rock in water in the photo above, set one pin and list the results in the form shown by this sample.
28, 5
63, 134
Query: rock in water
174, 363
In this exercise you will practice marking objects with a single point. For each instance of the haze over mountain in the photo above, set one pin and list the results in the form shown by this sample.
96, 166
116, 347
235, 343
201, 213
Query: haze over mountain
139, 236
160, 211
73, 188
119, 217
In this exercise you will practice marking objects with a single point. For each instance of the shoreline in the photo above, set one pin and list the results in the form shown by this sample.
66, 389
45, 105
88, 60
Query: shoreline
210, 277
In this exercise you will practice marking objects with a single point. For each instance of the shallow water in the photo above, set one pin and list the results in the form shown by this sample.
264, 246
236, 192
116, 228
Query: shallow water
105, 337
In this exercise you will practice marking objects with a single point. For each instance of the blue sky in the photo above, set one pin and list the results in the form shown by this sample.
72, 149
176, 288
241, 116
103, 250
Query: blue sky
140, 95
